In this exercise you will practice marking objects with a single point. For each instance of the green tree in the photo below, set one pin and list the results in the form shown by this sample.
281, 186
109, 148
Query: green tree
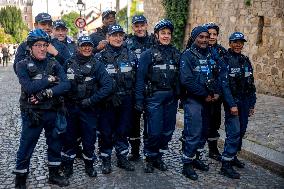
121, 16
5, 38
12, 22
70, 22
177, 11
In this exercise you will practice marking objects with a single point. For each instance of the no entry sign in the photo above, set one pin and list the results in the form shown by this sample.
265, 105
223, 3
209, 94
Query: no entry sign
80, 22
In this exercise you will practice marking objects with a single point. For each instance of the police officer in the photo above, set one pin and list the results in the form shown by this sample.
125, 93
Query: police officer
199, 78
90, 83
156, 94
60, 31
238, 105
116, 111
55, 49
214, 121
138, 43
99, 37
42, 81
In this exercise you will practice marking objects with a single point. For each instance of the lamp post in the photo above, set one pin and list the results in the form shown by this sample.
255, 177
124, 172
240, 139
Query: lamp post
81, 6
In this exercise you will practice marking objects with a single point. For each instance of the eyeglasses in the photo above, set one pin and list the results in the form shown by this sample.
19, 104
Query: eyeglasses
41, 45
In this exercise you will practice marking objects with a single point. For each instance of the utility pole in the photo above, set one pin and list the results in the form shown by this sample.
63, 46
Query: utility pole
117, 6
46, 6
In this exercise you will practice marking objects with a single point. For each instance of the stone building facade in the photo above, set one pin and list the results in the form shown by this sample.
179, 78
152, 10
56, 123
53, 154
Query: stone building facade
262, 22
154, 11
26, 9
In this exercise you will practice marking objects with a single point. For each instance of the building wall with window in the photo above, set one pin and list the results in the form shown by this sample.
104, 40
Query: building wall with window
261, 21
26, 9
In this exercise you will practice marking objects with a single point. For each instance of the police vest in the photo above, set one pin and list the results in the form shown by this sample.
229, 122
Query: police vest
82, 78
121, 68
101, 31
163, 72
206, 66
37, 74
240, 75
138, 47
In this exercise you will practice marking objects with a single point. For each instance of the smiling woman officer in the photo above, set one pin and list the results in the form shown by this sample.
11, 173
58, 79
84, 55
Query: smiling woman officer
158, 73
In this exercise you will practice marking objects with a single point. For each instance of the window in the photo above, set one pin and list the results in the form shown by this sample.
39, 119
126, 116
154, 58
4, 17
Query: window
260, 30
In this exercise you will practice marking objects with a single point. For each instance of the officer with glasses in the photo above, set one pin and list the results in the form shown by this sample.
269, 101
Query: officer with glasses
42, 81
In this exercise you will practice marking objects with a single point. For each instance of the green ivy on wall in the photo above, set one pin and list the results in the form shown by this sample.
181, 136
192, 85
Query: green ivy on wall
248, 2
177, 11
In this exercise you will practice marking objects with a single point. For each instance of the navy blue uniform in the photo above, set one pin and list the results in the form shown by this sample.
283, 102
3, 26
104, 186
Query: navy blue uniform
61, 57
33, 78
156, 94
218, 52
116, 112
200, 76
71, 46
89, 80
98, 36
241, 95
137, 45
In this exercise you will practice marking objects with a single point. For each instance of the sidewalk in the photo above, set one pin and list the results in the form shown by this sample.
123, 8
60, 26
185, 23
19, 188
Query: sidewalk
264, 140
252, 176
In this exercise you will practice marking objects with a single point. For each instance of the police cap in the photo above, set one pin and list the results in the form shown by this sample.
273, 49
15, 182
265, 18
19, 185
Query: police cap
59, 23
139, 18
85, 39
237, 36
43, 17
114, 29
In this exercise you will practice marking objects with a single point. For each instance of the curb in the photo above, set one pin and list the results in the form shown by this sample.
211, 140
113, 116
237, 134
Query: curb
260, 155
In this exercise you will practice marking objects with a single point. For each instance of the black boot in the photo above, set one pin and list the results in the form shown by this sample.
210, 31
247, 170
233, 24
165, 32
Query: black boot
106, 165
89, 168
20, 181
236, 162
213, 150
148, 166
228, 171
67, 168
79, 152
159, 164
188, 171
198, 163
134, 153
56, 178
182, 140
122, 162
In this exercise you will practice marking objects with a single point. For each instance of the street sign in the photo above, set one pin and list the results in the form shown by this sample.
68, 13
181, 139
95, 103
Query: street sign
80, 22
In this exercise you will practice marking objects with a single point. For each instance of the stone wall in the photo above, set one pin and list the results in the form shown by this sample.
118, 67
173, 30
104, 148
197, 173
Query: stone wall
153, 11
262, 22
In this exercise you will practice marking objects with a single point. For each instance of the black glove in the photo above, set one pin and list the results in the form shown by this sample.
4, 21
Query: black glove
43, 95
86, 103
139, 108
116, 101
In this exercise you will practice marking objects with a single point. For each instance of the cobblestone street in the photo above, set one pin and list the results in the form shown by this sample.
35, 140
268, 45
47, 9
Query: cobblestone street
252, 176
